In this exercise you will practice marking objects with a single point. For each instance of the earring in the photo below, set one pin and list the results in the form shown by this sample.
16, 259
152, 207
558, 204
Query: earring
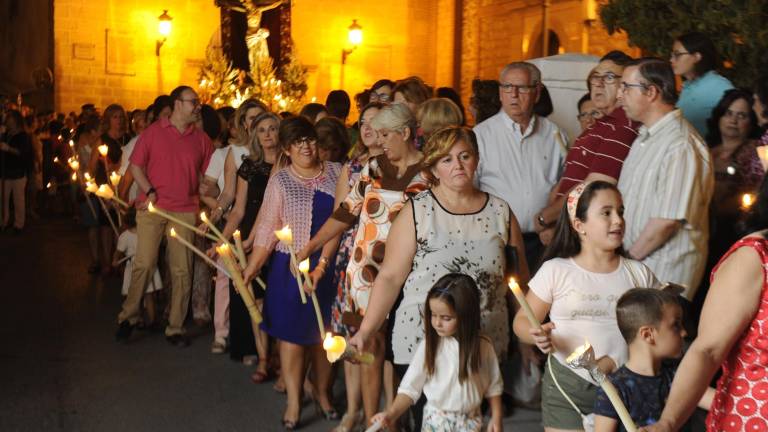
584, 233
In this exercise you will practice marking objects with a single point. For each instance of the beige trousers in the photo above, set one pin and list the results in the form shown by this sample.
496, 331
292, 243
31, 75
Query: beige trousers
150, 229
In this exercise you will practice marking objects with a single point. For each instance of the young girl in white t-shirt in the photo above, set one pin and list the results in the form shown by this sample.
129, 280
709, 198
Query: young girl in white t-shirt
454, 366
584, 274
125, 251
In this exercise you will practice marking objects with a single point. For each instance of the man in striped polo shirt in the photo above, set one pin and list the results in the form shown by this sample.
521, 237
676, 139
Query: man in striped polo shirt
599, 152
667, 179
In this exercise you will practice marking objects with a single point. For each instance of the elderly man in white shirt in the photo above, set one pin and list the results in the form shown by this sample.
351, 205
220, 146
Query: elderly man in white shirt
521, 154
666, 181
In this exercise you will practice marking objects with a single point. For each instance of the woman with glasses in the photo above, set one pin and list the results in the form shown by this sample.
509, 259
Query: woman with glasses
588, 112
300, 196
386, 182
695, 59
381, 91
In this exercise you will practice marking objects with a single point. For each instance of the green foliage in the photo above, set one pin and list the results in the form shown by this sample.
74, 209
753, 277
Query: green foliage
738, 28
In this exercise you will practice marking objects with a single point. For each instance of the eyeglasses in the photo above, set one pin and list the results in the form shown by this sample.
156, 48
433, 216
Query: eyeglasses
305, 141
512, 88
674, 55
626, 86
381, 97
194, 102
740, 115
595, 114
608, 78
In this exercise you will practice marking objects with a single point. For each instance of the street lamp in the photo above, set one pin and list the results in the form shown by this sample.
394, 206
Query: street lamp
355, 38
164, 28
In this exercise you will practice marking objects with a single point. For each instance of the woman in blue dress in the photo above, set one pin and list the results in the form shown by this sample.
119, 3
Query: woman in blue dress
301, 196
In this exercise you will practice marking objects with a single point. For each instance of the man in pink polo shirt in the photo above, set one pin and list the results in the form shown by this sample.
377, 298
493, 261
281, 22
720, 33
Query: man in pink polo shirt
599, 152
167, 162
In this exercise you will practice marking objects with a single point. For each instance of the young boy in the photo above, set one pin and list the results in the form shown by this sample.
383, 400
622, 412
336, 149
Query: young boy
651, 322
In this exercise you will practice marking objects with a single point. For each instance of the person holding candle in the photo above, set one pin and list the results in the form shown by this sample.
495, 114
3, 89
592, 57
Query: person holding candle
583, 274
366, 148
86, 139
731, 337
452, 227
252, 177
301, 197
454, 366
651, 322
166, 164
114, 123
385, 183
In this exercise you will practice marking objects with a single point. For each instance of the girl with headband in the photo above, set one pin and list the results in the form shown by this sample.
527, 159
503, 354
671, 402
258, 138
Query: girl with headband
584, 273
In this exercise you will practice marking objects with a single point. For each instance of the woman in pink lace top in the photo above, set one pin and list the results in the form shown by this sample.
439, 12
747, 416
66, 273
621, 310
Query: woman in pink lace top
301, 196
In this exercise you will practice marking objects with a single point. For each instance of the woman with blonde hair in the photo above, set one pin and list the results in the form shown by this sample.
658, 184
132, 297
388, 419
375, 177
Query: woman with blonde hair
437, 113
386, 182
453, 227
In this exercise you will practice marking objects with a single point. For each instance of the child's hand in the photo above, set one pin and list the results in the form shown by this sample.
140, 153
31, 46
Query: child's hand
381, 418
541, 337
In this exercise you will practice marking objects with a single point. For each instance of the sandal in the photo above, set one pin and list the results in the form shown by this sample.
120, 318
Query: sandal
349, 422
258, 376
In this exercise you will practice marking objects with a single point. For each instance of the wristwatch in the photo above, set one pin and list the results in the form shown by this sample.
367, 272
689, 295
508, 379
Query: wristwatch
150, 191
541, 220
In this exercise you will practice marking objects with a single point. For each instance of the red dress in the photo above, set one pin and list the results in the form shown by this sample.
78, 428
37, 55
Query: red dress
741, 399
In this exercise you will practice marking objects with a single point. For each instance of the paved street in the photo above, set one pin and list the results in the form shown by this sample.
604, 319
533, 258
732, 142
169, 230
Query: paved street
60, 369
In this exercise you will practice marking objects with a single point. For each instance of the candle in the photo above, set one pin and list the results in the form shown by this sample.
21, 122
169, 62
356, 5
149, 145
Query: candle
74, 176
747, 200
225, 252
197, 251
285, 235
239, 249
376, 427
213, 228
336, 348
304, 268
87, 176
106, 212
583, 357
103, 150
71, 143
524, 303
106, 192
91, 186
56, 159
762, 153
114, 178
74, 164
152, 209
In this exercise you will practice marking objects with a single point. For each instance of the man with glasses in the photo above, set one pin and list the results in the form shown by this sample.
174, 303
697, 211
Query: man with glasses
667, 181
520, 153
599, 152
166, 164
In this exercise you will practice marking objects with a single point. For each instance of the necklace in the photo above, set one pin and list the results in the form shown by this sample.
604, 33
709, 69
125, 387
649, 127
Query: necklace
293, 170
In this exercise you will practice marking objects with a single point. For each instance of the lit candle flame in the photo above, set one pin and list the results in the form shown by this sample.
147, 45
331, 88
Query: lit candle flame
56, 159
74, 176
87, 176
71, 143
334, 347
747, 200
91, 187
285, 235
173, 232
105, 191
304, 266
151, 207
203, 217
48, 186
114, 178
103, 150
75, 165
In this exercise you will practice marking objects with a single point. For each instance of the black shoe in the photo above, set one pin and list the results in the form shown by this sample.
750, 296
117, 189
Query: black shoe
178, 340
124, 331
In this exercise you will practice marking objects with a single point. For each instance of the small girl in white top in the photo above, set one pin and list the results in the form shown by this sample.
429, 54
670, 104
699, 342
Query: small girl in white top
454, 366
583, 276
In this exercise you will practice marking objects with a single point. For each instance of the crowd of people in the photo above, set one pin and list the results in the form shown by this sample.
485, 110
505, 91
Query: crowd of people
647, 228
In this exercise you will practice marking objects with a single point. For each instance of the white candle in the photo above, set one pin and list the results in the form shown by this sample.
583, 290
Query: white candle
197, 251
152, 209
239, 249
304, 268
524, 303
213, 228
237, 280
285, 235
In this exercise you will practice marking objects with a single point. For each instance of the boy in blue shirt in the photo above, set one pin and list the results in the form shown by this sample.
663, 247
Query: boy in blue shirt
651, 322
